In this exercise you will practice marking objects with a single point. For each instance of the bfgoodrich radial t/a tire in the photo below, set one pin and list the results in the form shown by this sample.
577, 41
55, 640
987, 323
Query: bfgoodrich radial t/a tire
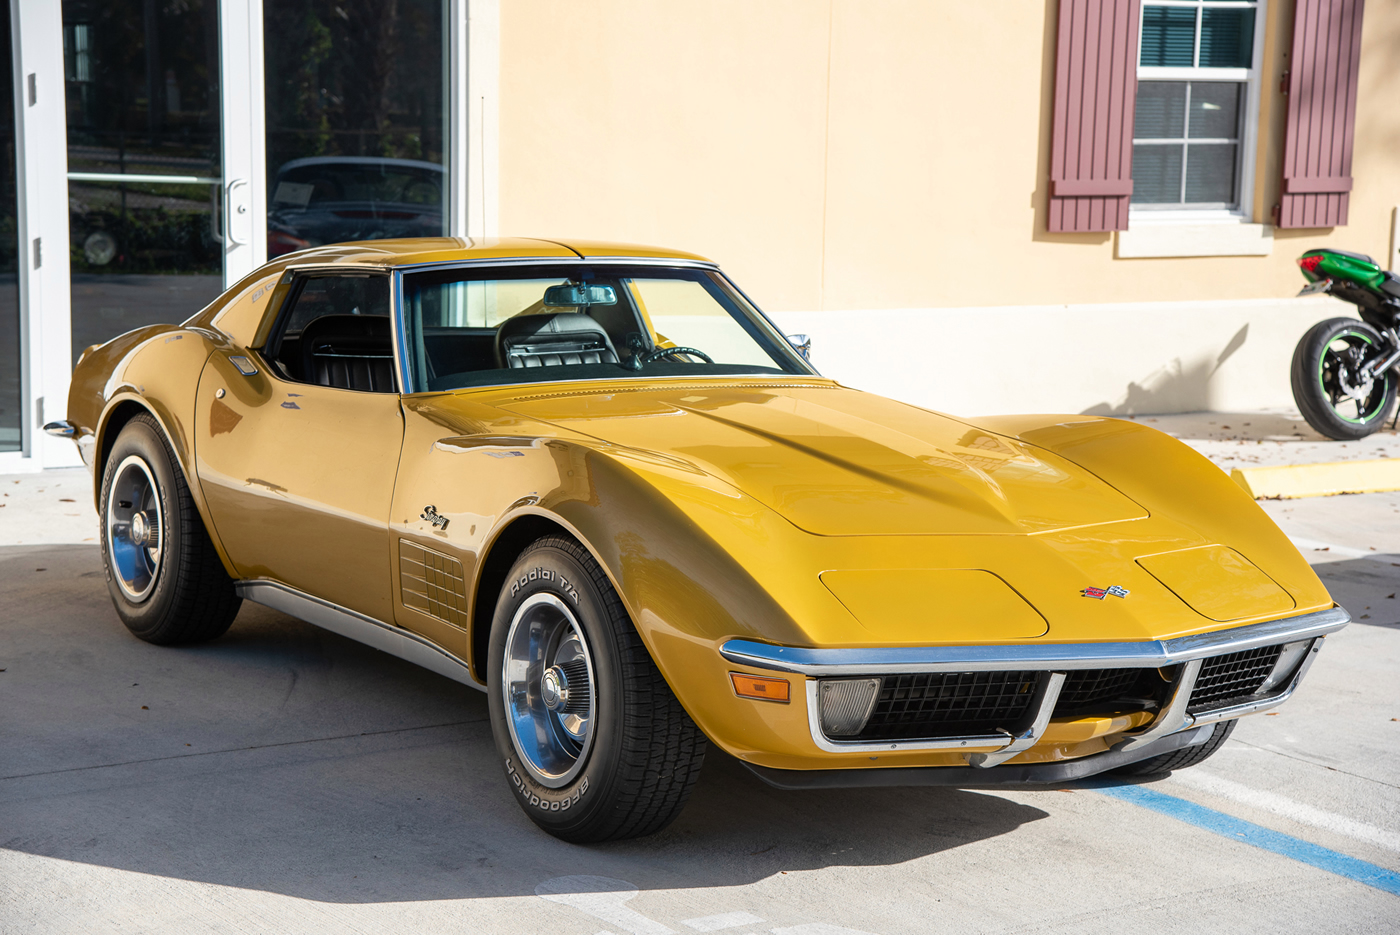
165, 578
594, 744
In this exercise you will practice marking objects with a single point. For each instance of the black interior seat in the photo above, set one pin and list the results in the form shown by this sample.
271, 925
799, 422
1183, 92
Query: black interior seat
350, 352
552, 341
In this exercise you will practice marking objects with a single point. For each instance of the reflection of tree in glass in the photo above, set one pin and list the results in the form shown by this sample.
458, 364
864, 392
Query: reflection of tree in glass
354, 78
142, 86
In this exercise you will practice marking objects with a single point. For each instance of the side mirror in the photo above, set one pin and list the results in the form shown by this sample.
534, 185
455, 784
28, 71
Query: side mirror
802, 344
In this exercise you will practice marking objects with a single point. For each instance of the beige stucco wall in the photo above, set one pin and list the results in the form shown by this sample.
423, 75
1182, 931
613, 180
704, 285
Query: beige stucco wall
853, 154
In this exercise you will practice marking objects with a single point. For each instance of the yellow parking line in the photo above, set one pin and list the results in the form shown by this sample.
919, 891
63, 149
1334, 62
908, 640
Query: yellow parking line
1289, 481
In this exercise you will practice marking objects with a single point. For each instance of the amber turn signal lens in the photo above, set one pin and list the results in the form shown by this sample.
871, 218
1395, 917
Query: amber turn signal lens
761, 689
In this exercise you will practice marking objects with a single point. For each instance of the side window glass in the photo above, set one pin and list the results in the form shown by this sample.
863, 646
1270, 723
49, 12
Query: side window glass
335, 331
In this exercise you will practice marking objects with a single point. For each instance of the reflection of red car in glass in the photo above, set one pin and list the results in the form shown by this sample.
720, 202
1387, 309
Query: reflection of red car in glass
334, 199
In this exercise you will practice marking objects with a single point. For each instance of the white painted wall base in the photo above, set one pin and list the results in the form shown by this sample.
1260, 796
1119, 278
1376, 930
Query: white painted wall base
1148, 239
1111, 359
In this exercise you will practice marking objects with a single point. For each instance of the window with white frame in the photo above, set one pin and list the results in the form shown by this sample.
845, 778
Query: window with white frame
1195, 100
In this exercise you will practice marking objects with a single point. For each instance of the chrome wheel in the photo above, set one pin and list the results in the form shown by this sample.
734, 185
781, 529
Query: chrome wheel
549, 690
135, 528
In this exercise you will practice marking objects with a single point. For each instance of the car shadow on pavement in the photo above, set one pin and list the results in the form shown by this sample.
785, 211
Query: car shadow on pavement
286, 759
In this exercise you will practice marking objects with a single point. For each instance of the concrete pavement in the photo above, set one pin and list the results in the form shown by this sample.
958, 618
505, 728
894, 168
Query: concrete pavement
285, 779
1267, 438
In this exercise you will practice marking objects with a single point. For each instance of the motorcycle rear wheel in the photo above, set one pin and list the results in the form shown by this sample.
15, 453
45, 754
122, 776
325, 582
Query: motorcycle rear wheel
1327, 386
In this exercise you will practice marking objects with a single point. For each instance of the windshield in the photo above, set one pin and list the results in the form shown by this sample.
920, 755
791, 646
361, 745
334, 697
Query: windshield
537, 324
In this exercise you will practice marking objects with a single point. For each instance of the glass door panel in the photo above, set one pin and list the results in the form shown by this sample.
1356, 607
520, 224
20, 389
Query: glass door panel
357, 114
11, 393
144, 181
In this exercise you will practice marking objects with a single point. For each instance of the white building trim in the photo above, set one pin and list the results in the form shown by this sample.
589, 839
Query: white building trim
243, 139
42, 162
1178, 238
483, 90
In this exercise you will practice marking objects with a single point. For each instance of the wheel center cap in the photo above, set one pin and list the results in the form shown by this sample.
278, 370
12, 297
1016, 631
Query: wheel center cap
554, 688
140, 532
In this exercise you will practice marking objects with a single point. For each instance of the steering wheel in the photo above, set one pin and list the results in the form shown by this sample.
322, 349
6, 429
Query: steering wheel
664, 352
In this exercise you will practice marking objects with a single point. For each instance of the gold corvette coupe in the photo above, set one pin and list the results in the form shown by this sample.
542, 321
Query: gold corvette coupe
594, 481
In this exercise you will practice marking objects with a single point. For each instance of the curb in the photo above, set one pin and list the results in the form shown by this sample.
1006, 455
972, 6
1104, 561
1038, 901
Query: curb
1290, 481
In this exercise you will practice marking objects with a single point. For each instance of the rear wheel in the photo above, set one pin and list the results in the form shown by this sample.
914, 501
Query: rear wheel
1328, 385
165, 578
1180, 759
594, 743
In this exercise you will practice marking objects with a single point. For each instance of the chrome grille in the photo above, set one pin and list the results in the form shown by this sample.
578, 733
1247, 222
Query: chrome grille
1233, 677
950, 704
1094, 688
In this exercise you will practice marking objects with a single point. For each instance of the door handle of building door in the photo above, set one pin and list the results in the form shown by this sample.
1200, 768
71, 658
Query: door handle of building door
230, 211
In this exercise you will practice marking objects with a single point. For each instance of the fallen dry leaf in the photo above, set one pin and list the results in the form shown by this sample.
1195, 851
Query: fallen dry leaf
145, 707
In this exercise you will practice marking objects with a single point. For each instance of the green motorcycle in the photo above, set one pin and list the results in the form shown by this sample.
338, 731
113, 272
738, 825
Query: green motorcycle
1344, 371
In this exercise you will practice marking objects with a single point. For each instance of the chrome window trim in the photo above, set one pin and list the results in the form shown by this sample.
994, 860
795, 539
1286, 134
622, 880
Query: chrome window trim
400, 326
1050, 656
556, 261
400, 329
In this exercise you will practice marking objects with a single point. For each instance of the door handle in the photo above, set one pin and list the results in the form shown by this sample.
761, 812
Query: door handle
230, 211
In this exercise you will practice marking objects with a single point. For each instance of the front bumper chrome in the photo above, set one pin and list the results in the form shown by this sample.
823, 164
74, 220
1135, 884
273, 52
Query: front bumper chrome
986, 750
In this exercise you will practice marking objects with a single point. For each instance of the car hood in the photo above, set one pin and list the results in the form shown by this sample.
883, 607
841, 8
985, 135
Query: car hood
839, 462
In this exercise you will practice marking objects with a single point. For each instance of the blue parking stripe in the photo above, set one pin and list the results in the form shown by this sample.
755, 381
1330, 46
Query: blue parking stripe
1237, 830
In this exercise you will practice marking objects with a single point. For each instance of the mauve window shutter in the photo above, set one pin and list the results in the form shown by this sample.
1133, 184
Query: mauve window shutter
1091, 156
1321, 113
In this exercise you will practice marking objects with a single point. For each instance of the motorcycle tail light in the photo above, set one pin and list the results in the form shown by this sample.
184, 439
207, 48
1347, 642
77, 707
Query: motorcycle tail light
1310, 263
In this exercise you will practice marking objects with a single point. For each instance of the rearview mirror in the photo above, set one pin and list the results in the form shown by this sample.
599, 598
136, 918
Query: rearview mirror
579, 294
802, 344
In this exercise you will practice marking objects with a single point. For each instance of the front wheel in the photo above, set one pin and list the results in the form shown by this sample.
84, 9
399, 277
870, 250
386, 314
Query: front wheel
1181, 759
1332, 393
165, 578
594, 743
